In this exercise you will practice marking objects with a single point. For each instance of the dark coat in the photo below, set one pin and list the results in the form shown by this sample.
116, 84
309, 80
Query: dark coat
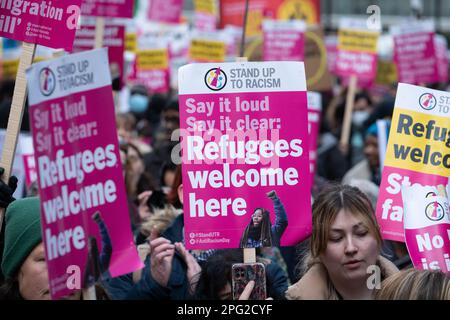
178, 287
147, 288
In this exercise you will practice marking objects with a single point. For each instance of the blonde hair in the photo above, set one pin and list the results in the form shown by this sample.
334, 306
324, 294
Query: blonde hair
326, 208
160, 220
414, 284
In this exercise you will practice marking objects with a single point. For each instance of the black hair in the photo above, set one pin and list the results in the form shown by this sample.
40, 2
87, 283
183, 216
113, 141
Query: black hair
172, 104
139, 89
363, 95
216, 273
167, 166
7, 89
157, 200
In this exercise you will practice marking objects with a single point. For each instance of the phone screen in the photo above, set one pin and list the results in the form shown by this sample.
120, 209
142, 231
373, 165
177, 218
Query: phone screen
242, 273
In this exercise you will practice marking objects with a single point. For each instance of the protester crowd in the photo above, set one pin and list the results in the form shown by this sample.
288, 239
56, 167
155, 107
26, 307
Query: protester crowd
345, 255
331, 264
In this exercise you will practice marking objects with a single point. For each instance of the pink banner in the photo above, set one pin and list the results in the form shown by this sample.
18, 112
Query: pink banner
429, 247
427, 227
108, 8
114, 40
156, 81
166, 11
152, 71
332, 50
415, 57
361, 64
79, 172
283, 42
314, 115
413, 156
390, 203
51, 24
30, 169
244, 135
442, 57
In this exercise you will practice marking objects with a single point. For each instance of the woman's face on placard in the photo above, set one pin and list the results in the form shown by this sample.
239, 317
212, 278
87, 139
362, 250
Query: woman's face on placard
257, 217
351, 247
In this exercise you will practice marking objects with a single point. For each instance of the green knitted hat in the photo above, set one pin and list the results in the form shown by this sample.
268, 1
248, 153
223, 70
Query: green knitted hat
22, 233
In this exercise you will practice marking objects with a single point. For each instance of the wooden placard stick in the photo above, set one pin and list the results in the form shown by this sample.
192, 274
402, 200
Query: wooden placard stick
249, 253
347, 124
16, 113
99, 36
99, 32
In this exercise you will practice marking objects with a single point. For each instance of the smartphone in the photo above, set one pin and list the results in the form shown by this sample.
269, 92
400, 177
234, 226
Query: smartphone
242, 273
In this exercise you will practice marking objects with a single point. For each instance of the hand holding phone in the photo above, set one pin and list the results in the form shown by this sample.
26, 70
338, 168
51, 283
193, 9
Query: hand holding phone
243, 273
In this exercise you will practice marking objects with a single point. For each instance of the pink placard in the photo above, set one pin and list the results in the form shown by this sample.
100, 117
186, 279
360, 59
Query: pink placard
283, 43
415, 57
166, 11
242, 138
79, 170
361, 64
390, 201
429, 247
155, 79
441, 54
332, 50
51, 24
114, 40
427, 226
29, 166
108, 8
314, 115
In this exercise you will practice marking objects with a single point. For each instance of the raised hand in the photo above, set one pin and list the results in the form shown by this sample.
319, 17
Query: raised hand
193, 268
161, 256
143, 209
272, 194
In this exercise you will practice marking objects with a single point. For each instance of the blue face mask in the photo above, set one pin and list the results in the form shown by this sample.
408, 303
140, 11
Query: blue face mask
138, 103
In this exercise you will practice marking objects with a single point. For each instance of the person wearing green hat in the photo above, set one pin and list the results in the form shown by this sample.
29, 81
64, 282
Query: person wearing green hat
23, 261
24, 264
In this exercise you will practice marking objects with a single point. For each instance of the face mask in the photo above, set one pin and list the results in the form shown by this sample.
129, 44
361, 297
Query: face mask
359, 117
138, 103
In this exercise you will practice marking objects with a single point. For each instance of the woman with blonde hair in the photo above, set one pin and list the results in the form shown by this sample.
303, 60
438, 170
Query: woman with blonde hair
412, 284
344, 259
